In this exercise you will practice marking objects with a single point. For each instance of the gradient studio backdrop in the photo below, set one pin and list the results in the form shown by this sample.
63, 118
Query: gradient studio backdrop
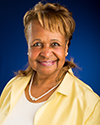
85, 45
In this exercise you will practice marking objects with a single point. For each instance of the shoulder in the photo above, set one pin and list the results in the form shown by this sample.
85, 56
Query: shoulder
10, 83
86, 96
83, 88
14, 84
8, 88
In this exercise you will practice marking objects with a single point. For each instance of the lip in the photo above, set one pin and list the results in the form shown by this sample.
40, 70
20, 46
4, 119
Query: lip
47, 63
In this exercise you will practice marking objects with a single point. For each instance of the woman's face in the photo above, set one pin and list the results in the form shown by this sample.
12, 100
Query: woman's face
47, 50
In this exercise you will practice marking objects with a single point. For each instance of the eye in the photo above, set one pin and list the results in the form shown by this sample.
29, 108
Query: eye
37, 44
55, 44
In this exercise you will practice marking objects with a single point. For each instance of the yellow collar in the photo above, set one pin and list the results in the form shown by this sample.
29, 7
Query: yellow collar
20, 84
66, 85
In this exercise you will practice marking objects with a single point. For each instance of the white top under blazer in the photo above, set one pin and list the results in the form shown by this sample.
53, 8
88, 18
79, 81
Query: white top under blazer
23, 113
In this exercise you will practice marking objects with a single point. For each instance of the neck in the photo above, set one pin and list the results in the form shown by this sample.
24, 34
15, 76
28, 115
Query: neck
45, 80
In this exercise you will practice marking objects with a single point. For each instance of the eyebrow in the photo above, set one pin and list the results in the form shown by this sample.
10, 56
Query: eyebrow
55, 40
36, 40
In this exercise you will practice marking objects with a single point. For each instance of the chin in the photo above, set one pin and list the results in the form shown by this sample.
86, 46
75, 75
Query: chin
48, 72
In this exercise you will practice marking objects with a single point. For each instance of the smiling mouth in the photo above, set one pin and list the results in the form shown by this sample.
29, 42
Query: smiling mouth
47, 63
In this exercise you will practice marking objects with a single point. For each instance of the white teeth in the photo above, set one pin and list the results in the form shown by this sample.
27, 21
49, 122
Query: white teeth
47, 63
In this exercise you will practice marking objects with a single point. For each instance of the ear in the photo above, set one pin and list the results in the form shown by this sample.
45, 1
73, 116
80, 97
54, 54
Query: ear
67, 42
66, 48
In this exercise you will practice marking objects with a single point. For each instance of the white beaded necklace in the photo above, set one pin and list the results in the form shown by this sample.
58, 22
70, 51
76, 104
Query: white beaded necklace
35, 99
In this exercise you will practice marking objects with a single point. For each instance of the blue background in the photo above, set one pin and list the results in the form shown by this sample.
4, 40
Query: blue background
85, 45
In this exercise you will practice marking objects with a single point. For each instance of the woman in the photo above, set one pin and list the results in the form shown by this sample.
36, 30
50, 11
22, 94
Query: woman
47, 92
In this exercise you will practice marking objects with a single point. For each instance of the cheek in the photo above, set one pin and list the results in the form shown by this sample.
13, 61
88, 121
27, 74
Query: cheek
60, 53
33, 53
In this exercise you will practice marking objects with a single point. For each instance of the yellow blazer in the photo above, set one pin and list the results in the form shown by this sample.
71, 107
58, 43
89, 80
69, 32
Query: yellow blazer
73, 102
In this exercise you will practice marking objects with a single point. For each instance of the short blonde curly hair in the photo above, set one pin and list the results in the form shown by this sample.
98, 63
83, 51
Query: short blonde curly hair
52, 17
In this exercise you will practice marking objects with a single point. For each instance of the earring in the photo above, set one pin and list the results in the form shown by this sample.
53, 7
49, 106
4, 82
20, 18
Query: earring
27, 53
66, 54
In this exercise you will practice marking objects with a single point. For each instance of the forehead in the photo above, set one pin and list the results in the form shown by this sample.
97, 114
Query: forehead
39, 24
36, 31
34, 26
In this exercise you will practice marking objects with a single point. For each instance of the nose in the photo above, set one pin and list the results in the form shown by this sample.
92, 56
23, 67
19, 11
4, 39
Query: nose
46, 52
